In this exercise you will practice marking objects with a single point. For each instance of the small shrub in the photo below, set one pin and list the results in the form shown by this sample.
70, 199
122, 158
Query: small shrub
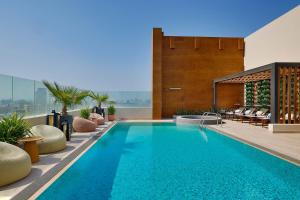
13, 128
85, 113
111, 110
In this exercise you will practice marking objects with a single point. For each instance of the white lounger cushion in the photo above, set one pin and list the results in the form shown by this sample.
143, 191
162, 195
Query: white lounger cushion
259, 113
237, 111
247, 112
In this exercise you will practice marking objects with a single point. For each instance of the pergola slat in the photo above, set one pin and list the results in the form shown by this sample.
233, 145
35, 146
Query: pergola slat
250, 78
295, 95
289, 94
283, 94
278, 92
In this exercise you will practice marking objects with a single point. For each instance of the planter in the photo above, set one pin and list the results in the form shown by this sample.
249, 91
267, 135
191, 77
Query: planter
111, 117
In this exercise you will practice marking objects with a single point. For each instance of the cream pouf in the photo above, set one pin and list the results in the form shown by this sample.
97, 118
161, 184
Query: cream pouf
95, 117
15, 163
53, 138
83, 125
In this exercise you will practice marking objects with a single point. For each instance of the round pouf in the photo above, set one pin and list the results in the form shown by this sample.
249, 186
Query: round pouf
53, 138
15, 163
95, 117
83, 125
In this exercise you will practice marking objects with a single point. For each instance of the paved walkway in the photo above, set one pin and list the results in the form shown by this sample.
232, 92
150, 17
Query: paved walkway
49, 165
284, 145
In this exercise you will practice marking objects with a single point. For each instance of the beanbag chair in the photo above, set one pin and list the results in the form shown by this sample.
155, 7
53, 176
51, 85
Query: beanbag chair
83, 125
53, 138
15, 163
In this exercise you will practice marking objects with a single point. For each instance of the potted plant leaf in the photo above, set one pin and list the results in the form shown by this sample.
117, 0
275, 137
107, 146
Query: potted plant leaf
13, 128
100, 99
111, 112
85, 113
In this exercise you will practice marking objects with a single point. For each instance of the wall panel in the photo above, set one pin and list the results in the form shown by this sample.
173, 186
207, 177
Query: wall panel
192, 71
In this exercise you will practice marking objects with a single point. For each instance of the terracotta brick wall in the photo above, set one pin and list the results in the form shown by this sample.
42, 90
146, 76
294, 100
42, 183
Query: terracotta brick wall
184, 68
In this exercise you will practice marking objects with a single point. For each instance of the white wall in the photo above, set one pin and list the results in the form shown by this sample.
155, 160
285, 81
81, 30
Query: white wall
278, 41
134, 113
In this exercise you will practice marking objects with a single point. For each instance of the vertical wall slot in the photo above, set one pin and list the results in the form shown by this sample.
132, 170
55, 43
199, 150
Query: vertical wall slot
220, 44
195, 43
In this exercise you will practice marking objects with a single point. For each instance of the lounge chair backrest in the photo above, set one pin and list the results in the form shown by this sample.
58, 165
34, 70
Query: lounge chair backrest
237, 111
264, 110
243, 109
250, 111
253, 110
247, 112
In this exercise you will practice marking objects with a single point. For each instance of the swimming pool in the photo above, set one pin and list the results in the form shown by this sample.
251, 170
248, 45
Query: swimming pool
165, 161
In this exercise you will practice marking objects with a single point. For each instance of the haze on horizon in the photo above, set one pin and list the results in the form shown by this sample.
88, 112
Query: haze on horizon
106, 45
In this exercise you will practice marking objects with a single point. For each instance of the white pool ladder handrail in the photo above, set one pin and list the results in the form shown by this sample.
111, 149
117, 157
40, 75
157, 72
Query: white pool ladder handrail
201, 125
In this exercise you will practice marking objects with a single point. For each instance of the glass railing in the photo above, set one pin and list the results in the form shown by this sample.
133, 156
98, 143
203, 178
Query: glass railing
29, 97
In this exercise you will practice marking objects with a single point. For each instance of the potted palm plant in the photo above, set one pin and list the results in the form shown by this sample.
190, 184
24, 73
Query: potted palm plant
111, 110
68, 96
100, 99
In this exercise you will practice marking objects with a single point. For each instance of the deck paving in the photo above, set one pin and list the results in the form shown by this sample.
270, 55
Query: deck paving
284, 145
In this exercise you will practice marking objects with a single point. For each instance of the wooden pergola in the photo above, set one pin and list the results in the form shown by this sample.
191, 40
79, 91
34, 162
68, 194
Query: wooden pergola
284, 87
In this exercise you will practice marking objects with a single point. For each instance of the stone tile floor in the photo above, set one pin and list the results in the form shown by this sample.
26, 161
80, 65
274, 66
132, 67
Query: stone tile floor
284, 145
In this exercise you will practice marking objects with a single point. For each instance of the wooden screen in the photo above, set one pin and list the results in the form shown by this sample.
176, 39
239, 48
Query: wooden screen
288, 95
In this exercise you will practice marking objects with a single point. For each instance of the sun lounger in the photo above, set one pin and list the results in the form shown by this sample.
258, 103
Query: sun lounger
232, 114
252, 117
240, 116
264, 120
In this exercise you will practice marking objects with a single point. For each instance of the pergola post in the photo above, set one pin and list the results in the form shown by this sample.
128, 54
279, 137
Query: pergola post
274, 93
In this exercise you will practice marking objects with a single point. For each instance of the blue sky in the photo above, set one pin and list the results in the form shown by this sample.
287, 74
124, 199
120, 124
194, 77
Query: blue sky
106, 45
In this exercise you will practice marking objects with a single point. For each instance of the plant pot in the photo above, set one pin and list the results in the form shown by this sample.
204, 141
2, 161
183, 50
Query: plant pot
111, 117
65, 125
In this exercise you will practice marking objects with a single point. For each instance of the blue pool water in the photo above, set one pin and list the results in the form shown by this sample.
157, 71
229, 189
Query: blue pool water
165, 161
